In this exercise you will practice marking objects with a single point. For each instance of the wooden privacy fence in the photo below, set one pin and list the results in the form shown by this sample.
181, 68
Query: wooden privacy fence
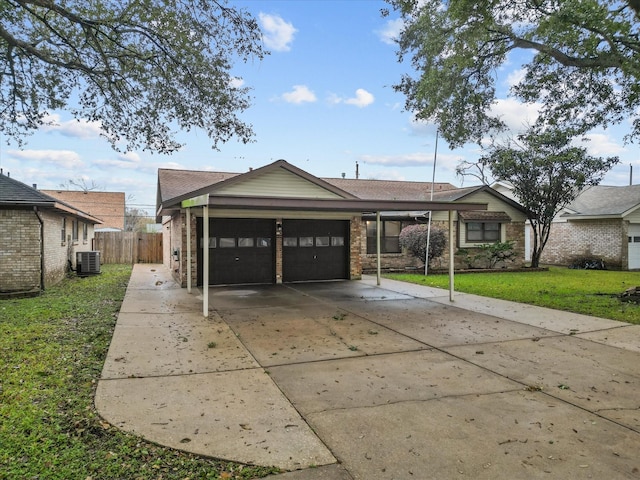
128, 247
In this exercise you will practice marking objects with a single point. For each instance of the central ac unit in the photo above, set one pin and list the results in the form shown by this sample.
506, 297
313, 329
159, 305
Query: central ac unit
88, 263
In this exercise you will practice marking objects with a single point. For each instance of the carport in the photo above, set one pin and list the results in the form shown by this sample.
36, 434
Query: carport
304, 208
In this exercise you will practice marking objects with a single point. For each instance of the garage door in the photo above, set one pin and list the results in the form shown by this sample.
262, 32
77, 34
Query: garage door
634, 246
315, 250
241, 251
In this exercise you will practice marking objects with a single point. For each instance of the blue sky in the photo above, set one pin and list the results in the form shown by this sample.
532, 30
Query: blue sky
322, 100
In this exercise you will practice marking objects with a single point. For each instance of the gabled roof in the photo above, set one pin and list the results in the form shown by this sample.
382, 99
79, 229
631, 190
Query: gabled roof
15, 194
604, 201
303, 191
107, 206
460, 194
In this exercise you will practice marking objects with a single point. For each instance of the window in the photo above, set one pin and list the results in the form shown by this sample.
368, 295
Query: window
306, 241
478, 232
64, 230
263, 242
227, 242
290, 241
322, 241
337, 241
85, 232
389, 236
245, 242
74, 230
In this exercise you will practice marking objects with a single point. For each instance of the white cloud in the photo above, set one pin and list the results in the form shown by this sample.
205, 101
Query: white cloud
299, 94
515, 77
600, 144
401, 160
391, 31
236, 82
516, 115
72, 128
59, 158
362, 99
278, 34
129, 157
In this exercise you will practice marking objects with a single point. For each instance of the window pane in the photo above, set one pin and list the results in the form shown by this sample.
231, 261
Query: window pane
371, 228
391, 229
371, 245
492, 226
337, 241
636, 239
263, 242
391, 245
474, 236
212, 242
474, 226
245, 242
492, 235
290, 241
322, 241
227, 242
306, 241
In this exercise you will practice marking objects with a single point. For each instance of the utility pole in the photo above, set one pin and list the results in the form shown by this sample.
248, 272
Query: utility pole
433, 181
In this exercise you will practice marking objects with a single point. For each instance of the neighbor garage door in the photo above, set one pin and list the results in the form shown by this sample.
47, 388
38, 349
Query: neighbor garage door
241, 251
634, 246
315, 250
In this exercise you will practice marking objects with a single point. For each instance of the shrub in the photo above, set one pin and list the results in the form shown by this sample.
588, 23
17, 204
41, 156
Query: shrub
414, 239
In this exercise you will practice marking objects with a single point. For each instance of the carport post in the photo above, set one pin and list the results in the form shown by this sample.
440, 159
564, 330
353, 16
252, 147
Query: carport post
378, 247
188, 250
452, 238
205, 261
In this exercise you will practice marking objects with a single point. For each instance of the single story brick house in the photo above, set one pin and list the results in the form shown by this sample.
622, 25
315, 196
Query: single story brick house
279, 223
39, 237
109, 207
602, 222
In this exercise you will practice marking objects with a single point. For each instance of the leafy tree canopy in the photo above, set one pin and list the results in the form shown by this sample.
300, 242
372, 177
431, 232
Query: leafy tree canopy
139, 67
547, 172
585, 71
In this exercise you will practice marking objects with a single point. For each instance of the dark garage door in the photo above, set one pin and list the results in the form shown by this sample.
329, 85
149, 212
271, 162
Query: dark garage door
315, 250
240, 251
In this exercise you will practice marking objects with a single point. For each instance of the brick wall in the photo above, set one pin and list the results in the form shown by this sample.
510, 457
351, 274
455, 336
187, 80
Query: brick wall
19, 251
603, 239
355, 248
402, 261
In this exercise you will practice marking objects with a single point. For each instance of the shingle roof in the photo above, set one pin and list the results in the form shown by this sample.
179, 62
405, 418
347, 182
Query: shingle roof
605, 200
17, 194
175, 183
388, 189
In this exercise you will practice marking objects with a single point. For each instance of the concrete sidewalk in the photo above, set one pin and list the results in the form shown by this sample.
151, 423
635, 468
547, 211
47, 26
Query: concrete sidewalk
367, 382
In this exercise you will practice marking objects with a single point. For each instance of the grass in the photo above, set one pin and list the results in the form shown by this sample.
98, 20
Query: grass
590, 292
52, 349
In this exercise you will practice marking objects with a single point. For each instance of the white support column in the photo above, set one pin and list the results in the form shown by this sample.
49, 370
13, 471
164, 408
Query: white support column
378, 234
452, 239
205, 261
188, 250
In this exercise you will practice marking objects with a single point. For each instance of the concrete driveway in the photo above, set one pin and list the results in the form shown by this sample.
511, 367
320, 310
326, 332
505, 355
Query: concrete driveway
347, 380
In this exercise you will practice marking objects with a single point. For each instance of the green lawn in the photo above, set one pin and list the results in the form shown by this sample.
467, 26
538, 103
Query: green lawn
591, 292
52, 349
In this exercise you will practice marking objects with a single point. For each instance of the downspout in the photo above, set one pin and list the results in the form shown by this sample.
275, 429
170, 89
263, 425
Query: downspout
35, 210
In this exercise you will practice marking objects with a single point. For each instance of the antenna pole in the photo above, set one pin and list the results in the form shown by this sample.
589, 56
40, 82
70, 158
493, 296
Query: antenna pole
433, 181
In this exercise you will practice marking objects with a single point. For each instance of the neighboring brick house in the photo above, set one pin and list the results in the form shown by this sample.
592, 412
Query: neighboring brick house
39, 236
109, 207
279, 223
603, 223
